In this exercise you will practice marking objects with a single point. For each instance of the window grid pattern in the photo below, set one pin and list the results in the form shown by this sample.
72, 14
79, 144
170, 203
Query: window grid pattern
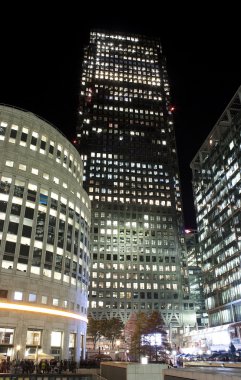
127, 143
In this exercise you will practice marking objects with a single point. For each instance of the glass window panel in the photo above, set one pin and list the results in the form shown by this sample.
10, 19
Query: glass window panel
37, 255
39, 234
56, 338
18, 296
33, 337
13, 228
24, 250
32, 297
27, 231
15, 209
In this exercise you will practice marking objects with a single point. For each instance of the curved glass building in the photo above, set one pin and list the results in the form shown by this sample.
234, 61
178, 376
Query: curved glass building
44, 237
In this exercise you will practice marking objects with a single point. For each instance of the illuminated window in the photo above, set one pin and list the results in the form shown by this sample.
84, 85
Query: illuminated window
55, 302
34, 171
18, 296
44, 300
56, 180
33, 337
22, 167
32, 297
9, 163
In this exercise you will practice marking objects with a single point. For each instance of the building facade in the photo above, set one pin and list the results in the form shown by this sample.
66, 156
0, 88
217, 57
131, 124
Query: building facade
44, 233
216, 185
127, 142
194, 263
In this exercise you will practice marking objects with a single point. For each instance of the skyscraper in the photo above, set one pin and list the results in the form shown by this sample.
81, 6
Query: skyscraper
127, 142
216, 186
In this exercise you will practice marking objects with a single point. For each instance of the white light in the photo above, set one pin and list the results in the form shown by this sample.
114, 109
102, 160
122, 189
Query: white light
42, 310
144, 360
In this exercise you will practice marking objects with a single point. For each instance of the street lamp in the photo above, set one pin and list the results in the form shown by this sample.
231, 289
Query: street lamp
18, 349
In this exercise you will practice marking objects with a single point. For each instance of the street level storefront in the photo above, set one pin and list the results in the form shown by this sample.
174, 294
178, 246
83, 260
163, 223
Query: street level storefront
212, 339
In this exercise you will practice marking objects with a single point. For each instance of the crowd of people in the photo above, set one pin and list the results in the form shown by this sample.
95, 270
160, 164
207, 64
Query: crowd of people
26, 366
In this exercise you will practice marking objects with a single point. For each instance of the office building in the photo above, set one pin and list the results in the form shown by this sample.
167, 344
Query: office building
44, 235
217, 185
194, 264
127, 142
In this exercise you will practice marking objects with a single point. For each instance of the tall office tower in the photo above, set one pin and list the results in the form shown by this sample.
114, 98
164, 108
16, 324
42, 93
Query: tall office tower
127, 142
44, 240
216, 185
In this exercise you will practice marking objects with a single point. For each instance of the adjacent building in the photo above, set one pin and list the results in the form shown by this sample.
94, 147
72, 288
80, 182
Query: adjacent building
216, 172
127, 142
44, 236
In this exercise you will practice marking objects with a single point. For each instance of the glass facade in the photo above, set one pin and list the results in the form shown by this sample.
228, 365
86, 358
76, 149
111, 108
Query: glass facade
126, 139
194, 263
216, 185
44, 226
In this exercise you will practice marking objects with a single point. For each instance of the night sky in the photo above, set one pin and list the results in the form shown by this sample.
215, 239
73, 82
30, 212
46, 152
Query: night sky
41, 52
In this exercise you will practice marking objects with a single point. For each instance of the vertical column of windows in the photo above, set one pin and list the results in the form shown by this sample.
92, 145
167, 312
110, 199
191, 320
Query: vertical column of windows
43, 144
24, 136
13, 133
11, 229
3, 129
34, 141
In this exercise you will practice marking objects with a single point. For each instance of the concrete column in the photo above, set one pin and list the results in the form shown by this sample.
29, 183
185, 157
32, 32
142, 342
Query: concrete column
83, 345
20, 337
46, 341
65, 345
80, 343
78, 348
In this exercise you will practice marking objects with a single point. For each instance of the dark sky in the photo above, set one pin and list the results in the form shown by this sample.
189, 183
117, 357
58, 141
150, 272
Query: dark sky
41, 62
